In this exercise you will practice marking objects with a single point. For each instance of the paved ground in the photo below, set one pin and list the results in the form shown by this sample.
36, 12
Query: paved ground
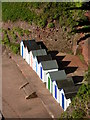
14, 103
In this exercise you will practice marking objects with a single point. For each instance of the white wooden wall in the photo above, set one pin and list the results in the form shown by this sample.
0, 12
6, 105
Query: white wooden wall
45, 74
21, 44
66, 101
31, 59
27, 56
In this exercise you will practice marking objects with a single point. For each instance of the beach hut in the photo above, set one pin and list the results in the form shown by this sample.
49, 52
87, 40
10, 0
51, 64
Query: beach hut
39, 59
28, 46
24, 48
67, 90
45, 67
51, 85
33, 55
21, 48
70, 92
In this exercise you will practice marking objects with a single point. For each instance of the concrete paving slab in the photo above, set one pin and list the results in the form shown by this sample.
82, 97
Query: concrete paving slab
39, 87
14, 103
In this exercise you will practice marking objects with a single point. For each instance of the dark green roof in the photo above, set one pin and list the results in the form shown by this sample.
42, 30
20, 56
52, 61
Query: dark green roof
48, 65
65, 83
68, 86
39, 52
58, 75
70, 92
31, 45
44, 58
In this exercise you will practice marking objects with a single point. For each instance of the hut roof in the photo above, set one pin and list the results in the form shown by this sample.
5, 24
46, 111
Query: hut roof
44, 58
65, 83
39, 52
50, 64
58, 75
68, 86
31, 45
70, 92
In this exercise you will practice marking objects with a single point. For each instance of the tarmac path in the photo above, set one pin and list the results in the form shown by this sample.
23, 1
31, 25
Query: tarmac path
14, 104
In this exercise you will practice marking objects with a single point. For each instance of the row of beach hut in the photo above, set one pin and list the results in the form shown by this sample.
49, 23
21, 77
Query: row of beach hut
60, 86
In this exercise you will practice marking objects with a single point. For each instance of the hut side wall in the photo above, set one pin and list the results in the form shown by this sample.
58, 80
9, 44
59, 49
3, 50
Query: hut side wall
45, 74
21, 45
27, 56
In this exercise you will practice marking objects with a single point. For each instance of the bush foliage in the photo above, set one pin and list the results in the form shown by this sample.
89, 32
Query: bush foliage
40, 13
12, 45
79, 106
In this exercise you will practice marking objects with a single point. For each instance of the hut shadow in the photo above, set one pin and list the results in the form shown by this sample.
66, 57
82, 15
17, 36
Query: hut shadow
85, 6
63, 64
70, 69
53, 53
42, 45
59, 58
82, 22
77, 79
82, 30
83, 38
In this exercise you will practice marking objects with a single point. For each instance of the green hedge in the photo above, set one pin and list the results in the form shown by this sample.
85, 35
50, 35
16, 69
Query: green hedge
47, 11
15, 47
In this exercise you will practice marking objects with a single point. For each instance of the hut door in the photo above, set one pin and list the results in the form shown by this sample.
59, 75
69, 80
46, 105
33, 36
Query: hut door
36, 66
22, 50
49, 83
62, 101
41, 72
55, 91
52, 87
31, 62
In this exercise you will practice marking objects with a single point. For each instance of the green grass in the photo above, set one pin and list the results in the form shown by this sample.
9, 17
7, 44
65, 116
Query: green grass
81, 57
27, 32
47, 11
15, 47
13, 35
51, 25
19, 30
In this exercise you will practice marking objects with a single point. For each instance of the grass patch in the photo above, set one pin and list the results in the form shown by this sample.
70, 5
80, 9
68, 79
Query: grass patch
20, 31
41, 13
81, 57
15, 47
51, 25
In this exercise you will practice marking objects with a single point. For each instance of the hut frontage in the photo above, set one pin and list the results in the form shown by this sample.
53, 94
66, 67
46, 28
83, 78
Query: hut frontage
51, 85
39, 59
21, 48
34, 54
26, 47
45, 67
67, 90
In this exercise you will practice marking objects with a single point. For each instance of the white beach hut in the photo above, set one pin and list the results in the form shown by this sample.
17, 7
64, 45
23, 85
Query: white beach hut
28, 46
34, 54
45, 67
39, 59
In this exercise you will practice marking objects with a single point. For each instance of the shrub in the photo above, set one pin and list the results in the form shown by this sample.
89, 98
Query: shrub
49, 11
42, 23
27, 32
78, 113
83, 90
15, 48
51, 25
